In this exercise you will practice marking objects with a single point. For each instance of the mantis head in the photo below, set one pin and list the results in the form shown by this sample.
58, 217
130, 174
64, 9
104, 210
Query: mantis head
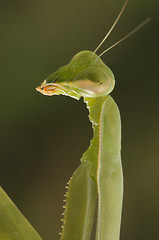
85, 76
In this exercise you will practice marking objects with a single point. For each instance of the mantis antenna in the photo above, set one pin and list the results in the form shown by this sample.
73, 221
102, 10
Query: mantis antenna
117, 19
128, 35
111, 29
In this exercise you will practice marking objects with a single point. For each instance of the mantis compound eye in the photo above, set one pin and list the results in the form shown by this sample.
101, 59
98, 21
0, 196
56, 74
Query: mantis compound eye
93, 82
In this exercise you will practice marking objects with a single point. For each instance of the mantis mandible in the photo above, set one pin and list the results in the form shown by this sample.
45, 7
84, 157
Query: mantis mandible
99, 175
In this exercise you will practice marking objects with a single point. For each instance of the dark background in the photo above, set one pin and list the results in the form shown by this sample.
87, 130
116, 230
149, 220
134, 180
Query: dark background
42, 138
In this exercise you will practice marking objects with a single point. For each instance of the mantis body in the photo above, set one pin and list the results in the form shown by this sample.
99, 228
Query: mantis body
99, 175
100, 172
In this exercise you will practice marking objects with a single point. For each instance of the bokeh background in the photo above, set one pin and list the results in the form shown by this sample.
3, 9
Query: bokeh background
42, 138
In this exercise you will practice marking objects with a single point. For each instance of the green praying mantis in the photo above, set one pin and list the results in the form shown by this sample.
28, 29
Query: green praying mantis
99, 175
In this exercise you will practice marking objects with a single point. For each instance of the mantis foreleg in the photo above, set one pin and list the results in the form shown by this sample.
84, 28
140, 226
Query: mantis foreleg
80, 205
109, 173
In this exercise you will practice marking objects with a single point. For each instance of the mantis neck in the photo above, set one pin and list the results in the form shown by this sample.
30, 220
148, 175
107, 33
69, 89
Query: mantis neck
91, 155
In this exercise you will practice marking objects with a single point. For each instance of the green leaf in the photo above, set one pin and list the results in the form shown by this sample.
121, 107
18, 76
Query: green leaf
13, 225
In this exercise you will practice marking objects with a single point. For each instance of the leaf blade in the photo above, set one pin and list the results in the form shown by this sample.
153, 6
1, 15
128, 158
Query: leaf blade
13, 225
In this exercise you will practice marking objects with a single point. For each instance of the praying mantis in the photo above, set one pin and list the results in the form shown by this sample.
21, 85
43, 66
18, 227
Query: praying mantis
98, 181
99, 177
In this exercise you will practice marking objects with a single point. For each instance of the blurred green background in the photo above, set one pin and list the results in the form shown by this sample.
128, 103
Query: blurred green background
42, 138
